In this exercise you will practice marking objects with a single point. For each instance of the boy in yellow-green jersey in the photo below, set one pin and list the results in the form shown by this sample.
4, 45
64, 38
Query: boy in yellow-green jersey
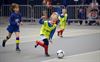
47, 31
62, 22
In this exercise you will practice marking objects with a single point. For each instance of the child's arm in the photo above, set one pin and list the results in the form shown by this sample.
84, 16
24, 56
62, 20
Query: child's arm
41, 20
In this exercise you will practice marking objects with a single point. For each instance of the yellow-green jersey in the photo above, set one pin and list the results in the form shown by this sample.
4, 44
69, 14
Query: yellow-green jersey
62, 23
46, 29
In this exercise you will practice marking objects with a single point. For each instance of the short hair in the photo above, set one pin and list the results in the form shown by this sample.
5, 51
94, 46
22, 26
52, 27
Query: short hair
64, 10
54, 15
13, 6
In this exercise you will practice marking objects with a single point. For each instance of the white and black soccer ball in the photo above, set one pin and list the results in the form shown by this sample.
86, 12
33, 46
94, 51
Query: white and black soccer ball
60, 53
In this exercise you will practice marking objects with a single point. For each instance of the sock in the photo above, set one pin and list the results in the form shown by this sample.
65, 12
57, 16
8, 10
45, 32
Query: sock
44, 46
6, 38
17, 42
46, 49
62, 32
17, 45
59, 32
40, 43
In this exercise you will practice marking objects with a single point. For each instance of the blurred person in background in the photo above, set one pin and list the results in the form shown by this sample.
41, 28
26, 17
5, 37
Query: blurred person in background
92, 16
81, 15
92, 12
62, 22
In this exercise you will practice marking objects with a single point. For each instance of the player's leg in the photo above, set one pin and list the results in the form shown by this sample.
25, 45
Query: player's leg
46, 50
46, 44
17, 41
62, 32
7, 38
41, 43
59, 32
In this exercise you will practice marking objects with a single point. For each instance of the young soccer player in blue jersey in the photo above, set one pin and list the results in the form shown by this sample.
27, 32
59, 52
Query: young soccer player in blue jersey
14, 25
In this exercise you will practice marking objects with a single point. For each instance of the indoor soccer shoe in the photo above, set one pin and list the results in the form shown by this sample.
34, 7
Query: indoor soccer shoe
3, 43
47, 55
36, 45
18, 49
61, 36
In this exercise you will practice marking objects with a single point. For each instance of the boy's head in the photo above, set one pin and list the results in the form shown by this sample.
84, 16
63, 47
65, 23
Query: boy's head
54, 18
64, 11
14, 7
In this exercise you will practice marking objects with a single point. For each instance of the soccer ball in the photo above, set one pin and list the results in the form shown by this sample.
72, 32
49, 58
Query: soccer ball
60, 53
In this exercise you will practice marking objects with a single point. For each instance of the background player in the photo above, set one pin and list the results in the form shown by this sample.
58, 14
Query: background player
62, 23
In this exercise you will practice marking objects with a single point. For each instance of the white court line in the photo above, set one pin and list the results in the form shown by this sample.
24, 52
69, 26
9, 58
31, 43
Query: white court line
84, 57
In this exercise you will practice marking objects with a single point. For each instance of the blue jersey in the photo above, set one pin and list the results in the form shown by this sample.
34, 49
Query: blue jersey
14, 21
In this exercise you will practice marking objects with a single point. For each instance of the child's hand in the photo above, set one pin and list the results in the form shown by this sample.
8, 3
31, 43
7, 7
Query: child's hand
21, 23
43, 17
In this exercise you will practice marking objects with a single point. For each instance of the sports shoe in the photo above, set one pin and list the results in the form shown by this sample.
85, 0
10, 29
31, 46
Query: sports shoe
36, 46
18, 49
47, 55
3, 43
61, 36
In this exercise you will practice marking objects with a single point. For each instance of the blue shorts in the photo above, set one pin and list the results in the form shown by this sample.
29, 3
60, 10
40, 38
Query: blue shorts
12, 29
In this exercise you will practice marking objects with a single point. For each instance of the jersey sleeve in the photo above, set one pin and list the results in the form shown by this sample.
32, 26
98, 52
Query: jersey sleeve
41, 21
